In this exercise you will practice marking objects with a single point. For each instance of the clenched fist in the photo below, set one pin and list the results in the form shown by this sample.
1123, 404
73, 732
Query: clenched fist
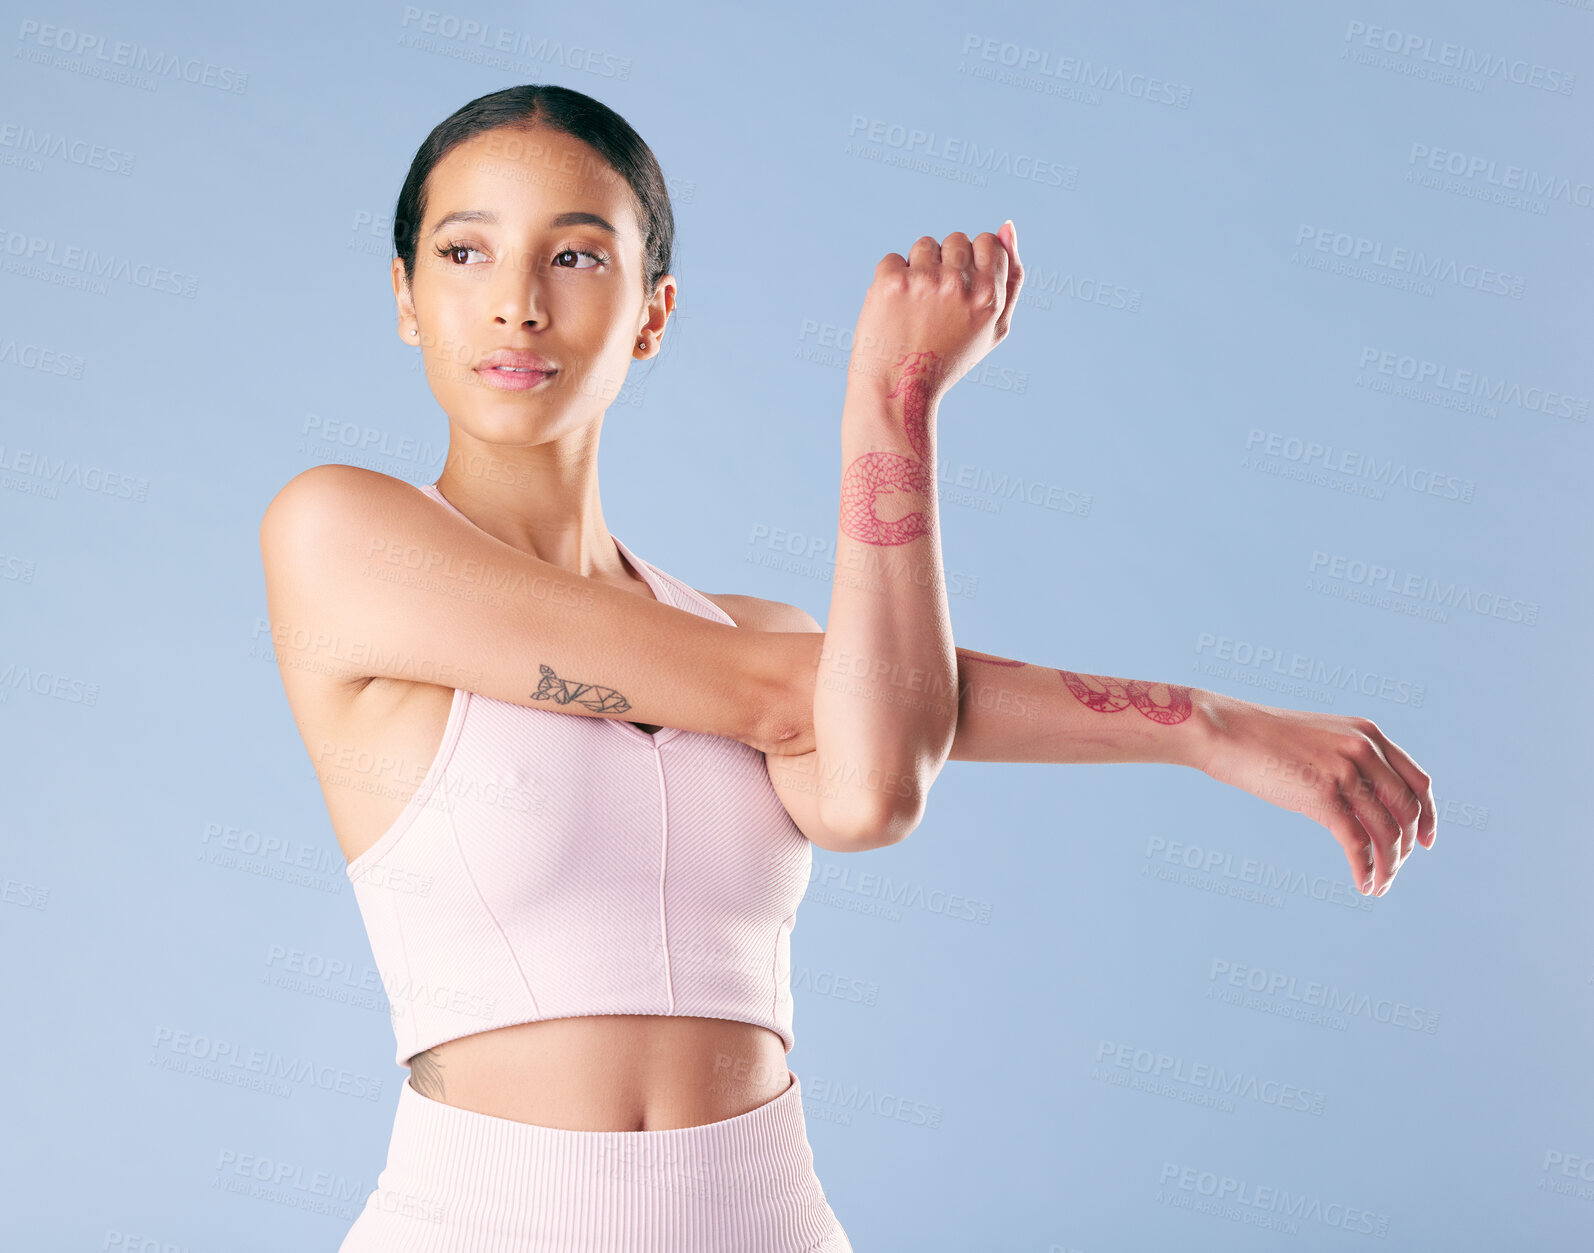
939, 310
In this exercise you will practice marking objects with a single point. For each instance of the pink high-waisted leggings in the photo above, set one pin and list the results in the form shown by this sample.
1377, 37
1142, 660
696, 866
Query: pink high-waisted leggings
457, 1180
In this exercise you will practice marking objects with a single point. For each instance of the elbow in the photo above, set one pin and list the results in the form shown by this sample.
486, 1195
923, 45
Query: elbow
890, 819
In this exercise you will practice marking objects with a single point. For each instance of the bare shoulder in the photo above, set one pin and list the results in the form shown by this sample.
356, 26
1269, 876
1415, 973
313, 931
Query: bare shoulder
311, 532
758, 614
309, 549
319, 498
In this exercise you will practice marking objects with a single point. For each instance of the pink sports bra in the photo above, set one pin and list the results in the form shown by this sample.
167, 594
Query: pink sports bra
552, 865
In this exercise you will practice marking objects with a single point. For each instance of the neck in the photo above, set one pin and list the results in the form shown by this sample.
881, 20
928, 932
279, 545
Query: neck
542, 500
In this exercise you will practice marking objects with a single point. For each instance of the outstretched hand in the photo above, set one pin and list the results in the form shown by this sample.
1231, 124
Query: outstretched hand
940, 309
1340, 771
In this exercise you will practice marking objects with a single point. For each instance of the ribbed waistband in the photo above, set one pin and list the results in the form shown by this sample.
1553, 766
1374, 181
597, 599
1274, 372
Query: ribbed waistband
458, 1179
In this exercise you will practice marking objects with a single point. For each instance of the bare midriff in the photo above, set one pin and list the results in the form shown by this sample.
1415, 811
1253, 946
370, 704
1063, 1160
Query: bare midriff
608, 1072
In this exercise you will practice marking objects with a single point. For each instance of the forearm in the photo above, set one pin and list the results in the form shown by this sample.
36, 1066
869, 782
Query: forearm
1013, 711
885, 707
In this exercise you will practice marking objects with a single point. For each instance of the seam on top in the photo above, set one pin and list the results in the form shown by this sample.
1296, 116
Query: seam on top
664, 866
409, 980
436, 773
459, 850
774, 973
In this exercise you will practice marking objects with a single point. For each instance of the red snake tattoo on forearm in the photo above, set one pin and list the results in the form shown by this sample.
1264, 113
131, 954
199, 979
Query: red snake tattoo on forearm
875, 472
1108, 695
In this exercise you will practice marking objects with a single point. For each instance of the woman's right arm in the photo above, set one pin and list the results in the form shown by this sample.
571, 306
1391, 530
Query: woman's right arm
366, 577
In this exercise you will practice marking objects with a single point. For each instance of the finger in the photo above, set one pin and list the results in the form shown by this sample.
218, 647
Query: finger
1380, 826
1015, 281
924, 252
1390, 788
1416, 779
1344, 828
891, 263
957, 251
990, 259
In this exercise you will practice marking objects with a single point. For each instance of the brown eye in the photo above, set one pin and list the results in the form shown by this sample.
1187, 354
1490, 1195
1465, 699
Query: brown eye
447, 252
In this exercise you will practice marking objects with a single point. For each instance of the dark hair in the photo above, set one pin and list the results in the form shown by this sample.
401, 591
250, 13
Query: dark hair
558, 109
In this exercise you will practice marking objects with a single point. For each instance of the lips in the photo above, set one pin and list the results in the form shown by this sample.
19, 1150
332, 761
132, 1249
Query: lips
511, 369
515, 361
514, 370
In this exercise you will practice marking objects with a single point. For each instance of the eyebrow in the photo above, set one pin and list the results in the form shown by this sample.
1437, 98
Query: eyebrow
572, 218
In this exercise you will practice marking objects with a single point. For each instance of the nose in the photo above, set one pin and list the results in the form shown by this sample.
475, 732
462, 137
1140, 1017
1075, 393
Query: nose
517, 297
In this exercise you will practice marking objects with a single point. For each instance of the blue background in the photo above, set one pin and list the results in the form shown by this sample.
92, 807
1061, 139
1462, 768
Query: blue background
1110, 505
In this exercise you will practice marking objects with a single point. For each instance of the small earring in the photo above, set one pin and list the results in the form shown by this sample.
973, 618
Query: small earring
642, 344
415, 330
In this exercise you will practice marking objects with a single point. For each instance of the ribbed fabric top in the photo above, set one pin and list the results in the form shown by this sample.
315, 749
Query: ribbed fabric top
553, 865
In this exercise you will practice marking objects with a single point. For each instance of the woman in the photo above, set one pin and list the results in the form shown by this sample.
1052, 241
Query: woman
577, 796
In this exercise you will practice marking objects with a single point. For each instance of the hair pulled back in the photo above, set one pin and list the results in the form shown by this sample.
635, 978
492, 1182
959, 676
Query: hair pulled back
559, 109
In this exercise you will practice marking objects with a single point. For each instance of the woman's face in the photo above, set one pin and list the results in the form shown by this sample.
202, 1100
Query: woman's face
547, 260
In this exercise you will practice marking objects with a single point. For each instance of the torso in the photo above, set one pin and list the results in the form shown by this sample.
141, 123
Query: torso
598, 1073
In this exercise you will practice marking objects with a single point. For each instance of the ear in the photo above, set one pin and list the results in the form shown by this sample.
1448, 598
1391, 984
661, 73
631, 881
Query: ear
404, 303
662, 304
